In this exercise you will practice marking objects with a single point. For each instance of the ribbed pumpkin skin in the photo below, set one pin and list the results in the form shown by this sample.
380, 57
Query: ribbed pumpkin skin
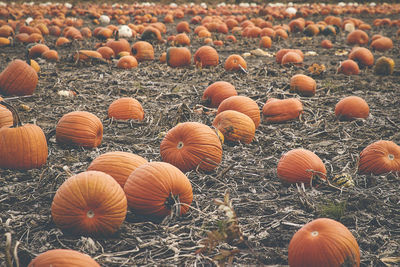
218, 92
89, 203
18, 78
242, 104
126, 108
293, 166
178, 57
380, 157
118, 164
63, 258
79, 128
235, 126
22, 148
150, 185
191, 144
206, 56
351, 107
280, 110
323, 242
6, 117
303, 85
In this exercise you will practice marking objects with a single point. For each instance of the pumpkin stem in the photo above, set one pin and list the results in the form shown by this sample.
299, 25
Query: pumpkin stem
116, 35
180, 145
391, 156
16, 118
90, 214
171, 201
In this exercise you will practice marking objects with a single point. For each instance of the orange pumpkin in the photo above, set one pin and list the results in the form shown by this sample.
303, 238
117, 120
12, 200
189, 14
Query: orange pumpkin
323, 242
192, 145
127, 62
79, 128
151, 33
62, 41
242, 104
351, 107
37, 50
63, 258
6, 117
311, 30
303, 85
281, 53
50, 55
298, 165
358, 37
178, 57
157, 189
118, 45
86, 55
265, 42
89, 203
106, 52
118, 164
380, 157
291, 57
327, 44
235, 126
235, 63
281, 110
18, 78
206, 56
348, 67
182, 39
183, 26
382, 44
142, 51
218, 92
362, 56
126, 108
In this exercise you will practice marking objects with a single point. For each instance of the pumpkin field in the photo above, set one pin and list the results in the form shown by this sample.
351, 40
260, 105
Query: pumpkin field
143, 134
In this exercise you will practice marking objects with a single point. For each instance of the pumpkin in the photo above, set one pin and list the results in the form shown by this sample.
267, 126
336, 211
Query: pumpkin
380, 157
183, 26
265, 42
118, 164
191, 145
22, 147
157, 189
86, 55
6, 117
126, 108
37, 50
62, 41
206, 56
18, 78
63, 258
303, 85
79, 128
163, 57
281, 34
142, 51
311, 30
362, 56
281, 53
298, 165
323, 242
384, 66
50, 55
151, 33
54, 30
358, 37
327, 44
181, 39
218, 92
106, 52
127, 62
297, 25
348, 67
280, 110
235, 126
118, 45
178, 57
204, 34
382, 44
234, 63
242, 104
291, 57
89, 203
351, 107
218, 43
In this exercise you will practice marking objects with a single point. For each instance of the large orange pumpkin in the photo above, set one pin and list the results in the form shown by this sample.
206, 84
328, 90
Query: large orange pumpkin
178, 57
235, 126
380, 157
298, 165
142, 51
79, 128
157, 189
323, 242
118, 164
126, 108
89, 203
242, 104
218, 92
359, 37
63, 258
18, 78
351, 107
362, 56
206, 56
280, 110
192, 145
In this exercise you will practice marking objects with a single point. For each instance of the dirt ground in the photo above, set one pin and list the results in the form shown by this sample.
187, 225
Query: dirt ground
268, 212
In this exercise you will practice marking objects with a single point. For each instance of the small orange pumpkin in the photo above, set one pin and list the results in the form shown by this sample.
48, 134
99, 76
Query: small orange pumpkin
327, 44
281, 110
127, 62
50, 55
142, 51
351, 107
106, 52
382, 44
265, 42
303, 85
242, 104
37, 50
380, 157
235, 126
206, 56
298, 165
62, 41
359, 37
348, 67
182, 39
309, 245
126, 108
292, 57
63, 258
362, 56
178, 57
235, 63
218, 92
86, 55
118, 45
183, 26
